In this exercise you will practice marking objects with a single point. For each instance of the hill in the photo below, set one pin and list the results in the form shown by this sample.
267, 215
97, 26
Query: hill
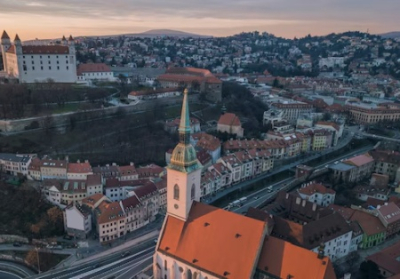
158, 33
392, 35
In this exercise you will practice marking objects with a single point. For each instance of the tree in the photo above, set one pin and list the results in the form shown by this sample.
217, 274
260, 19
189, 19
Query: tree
369, 270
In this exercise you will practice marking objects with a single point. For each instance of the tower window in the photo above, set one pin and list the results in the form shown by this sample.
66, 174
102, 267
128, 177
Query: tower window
193, 192
176, 192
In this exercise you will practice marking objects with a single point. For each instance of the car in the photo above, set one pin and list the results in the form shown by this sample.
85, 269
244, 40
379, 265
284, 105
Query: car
17, 244
68, 237
256, 197
124, 254
97, 265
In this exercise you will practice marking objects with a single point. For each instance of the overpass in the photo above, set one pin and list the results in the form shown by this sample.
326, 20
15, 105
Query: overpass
377, 137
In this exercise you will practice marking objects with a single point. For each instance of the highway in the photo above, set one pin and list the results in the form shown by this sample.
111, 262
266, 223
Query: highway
107, 266
257, 198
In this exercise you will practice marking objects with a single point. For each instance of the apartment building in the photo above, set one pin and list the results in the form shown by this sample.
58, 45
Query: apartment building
111, 221
364, 113
77, 221
317, 193
386, 162
292, 110
353, 169
15, 163
78, 170
389, 214
53, 169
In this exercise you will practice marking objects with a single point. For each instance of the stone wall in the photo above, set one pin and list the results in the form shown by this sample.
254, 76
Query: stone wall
8, 127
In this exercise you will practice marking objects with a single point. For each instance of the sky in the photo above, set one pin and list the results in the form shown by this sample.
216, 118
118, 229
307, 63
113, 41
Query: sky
45, 19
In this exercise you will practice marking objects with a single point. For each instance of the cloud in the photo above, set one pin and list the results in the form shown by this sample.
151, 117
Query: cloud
210, 14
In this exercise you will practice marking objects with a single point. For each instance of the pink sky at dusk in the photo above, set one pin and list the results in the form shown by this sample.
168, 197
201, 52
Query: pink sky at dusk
287, 18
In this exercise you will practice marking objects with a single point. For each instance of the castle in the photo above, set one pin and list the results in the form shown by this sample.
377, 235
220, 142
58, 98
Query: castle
39, 63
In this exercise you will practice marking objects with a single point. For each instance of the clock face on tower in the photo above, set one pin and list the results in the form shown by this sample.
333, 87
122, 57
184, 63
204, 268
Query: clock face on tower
176, 206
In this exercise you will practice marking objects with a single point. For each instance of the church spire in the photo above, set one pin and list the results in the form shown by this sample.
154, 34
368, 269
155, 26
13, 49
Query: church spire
184, 126
184, 157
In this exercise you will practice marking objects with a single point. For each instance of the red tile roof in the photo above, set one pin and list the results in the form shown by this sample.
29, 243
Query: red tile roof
109, 212
390, 212
229, 119
79, 167
127, 170
370, 224
315, 188
285, 260
92, 68
93, 199
93, 180
207, 141
130, 203
41, 49
149, 189
214, 240
359, 160
387, 259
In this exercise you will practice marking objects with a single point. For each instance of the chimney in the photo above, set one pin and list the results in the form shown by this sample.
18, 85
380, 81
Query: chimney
114, 164
78, 161
86, 161
321, 251
131, 163
298, 200
287, 195
304, 203
67, 158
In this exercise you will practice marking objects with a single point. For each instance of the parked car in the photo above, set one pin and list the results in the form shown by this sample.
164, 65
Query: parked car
68, 237
17, 244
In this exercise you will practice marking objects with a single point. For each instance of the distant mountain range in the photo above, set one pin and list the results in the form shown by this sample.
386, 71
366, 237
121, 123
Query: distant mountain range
160, 33
391, 35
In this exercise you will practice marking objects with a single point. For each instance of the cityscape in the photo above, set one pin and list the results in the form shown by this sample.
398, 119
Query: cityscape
190, 151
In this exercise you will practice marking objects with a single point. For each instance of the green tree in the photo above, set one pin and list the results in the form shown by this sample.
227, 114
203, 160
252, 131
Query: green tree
369, 270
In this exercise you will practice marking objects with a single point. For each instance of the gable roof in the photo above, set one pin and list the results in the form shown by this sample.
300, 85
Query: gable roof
390, 212
359, 160
315, 188
388, 258
229, 119
109, 212
370, 224
144, 191
41, 49
79, 167
283, 259
92, 68
214, 240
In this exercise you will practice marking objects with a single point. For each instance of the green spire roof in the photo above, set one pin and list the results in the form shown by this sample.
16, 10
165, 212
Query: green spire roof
184, 156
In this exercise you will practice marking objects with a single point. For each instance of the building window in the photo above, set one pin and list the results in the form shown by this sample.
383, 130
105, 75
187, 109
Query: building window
193, 192
67, 67
58, 67
49, 67
33, 68
165, 265
176, 192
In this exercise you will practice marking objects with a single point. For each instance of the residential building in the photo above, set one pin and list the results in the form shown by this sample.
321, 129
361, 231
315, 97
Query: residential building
87, 73
94, 184
321, 139
209, 143
336, 129
53, 169
354, 169
374, 231
117, 190
78, 170
134, 213
332, 230
192, 229
317, 193
373, 113
172, 126
150, 171
161, 185
77, 221
386, 162
199, 80
34, 172
15, 164
93, 201
64, 192
107, 171
39, 63
128, 173
389, 214
292, 110
230, 123
388, 261
149, 197
111, 221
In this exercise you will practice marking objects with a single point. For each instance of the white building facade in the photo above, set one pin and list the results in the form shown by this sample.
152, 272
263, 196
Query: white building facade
39, 63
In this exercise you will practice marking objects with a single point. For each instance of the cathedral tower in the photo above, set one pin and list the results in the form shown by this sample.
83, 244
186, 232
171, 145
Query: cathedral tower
184, 170
5, 45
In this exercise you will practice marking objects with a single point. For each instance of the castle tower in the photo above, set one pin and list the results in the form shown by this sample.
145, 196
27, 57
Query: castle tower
71, 45
64, 41
18, 45
184, 170
5, 45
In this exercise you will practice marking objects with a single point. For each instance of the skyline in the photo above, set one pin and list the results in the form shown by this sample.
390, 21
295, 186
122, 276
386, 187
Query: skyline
45, 19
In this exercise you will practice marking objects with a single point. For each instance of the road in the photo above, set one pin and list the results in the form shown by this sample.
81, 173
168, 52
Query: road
109, 265
8, 275
379, 137
259, 197
10, 270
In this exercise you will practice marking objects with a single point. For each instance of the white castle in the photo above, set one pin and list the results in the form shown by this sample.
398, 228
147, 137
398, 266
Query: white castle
39, 63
